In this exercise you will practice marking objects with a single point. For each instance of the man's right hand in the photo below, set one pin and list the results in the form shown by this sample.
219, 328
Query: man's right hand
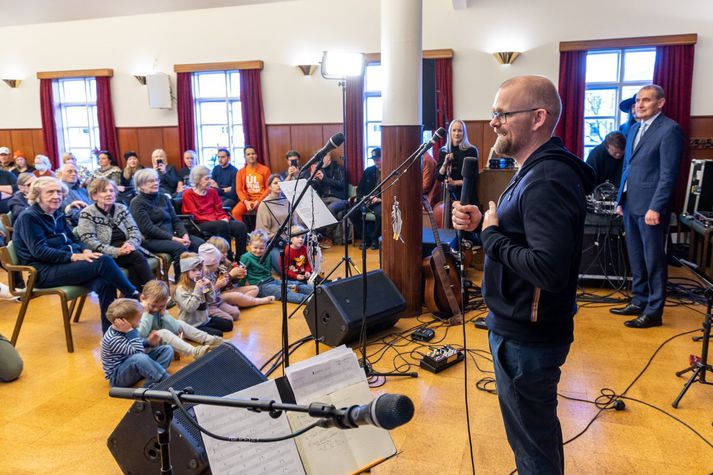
619, 210
86, 255
466, 217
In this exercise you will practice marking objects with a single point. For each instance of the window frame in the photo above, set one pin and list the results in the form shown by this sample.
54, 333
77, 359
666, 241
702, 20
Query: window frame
61, 120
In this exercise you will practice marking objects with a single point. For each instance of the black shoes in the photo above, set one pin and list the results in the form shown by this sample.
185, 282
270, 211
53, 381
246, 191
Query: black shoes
644, 321
630, 309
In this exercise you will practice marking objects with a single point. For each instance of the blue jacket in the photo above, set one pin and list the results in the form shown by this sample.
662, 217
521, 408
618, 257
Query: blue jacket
532, 257
42, 240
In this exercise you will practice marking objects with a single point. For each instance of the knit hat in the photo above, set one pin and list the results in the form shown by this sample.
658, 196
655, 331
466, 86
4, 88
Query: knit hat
188, 263
210, 254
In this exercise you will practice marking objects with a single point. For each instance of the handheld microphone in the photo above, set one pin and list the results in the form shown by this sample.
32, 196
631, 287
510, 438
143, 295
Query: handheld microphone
387, 411
438, 135
335, 141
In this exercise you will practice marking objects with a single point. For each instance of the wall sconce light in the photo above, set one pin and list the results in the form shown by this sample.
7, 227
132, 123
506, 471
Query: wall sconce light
141, 79
506, 57
13, 83
307, 69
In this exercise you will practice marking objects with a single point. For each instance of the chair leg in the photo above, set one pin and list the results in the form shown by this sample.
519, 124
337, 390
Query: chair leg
80, 307
66, 319
20, 318
71, 311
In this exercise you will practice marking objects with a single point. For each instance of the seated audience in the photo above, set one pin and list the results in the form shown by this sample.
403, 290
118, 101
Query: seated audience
76, 197
108, 227
6, 162
10, 361
370, 178
606, 159
8, 187
43, 166
156, 319
107, 169
82, 171
156, 217
293, 167
18, 202
223, 176
204, 204
274, 210
43, 240
126, 357
193, 295
184, 174
167, 173
211, 261
127, 177
330, 185
21, 165
250, 184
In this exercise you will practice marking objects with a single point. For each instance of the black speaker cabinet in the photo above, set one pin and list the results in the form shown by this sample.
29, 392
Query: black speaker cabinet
339, 307
133, 443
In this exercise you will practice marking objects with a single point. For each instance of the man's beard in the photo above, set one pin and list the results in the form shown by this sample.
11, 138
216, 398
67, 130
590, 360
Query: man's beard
504, 145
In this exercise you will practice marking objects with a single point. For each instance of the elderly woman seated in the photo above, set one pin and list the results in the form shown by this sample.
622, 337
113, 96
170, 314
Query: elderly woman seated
108, 227
154, 213
42, 239
18, 202
203, 202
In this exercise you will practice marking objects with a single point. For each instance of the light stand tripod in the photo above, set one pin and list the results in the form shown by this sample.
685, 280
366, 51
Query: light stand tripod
699, 366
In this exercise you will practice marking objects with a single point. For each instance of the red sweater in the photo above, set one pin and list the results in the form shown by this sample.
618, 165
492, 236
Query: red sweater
203, 208
297, 262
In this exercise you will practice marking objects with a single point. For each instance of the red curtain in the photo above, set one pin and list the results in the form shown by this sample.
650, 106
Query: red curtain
444, 98
354, 129
253, 114
105, 116
49, 127
573, 69
673, 71
186, 117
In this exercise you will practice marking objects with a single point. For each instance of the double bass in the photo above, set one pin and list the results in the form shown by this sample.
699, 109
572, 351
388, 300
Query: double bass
442, 210
442, 282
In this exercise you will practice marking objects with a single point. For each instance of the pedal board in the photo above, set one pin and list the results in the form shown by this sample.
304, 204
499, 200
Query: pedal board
441, 358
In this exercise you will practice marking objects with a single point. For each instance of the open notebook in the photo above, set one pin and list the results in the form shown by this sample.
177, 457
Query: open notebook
333, 377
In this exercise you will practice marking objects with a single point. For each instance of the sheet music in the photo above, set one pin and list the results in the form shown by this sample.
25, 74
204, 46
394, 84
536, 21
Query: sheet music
227, 458
311, 210
324, 374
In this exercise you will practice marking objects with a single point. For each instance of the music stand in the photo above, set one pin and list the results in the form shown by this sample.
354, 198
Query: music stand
699, 366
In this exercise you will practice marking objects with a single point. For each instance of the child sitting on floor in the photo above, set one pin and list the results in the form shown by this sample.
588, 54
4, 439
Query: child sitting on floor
218, 307
242, 296
154, 298
124, 353
260, 274
194, 293
298, 265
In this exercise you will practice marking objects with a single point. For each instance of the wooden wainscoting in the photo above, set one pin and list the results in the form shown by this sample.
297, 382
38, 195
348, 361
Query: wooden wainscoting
29, 141
305, 138
144, 140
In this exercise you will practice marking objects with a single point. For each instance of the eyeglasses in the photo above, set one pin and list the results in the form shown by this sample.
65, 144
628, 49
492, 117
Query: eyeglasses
502, 117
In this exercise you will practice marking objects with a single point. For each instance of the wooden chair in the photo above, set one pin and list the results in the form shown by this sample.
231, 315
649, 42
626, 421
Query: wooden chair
6, 225
72, 297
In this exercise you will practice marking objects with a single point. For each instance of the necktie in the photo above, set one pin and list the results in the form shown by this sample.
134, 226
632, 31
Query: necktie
642, 130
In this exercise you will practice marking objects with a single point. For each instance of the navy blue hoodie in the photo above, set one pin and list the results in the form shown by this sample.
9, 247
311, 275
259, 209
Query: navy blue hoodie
532, 256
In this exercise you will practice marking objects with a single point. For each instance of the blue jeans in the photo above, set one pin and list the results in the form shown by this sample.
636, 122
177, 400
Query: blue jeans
103, 276
527, 378
151, 365
273, 287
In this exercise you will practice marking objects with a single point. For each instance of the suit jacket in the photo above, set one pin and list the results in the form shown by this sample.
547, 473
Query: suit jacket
651, 168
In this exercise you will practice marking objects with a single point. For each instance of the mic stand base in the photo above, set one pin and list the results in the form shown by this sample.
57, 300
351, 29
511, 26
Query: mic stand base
162, 415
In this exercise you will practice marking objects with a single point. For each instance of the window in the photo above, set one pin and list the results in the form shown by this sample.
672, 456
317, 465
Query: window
612, 76
76, 117
373, 112
219, 118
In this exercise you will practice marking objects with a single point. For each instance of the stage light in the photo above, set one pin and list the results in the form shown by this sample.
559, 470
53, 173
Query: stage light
336, 65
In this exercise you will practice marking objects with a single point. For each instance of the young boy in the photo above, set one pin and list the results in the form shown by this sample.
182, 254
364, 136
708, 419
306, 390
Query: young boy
155, 319
298, 265
123, 351
261, 275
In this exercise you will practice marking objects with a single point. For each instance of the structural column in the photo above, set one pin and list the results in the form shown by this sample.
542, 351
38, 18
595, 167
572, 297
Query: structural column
401, 50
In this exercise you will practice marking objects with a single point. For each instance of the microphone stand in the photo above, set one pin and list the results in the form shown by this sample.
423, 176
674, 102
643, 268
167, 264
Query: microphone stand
363, 207
162, 408
276, 240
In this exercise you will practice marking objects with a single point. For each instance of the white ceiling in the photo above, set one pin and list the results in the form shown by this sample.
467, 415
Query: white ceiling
28, 12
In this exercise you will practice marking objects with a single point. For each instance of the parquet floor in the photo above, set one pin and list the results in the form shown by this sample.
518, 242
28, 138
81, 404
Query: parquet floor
57, 416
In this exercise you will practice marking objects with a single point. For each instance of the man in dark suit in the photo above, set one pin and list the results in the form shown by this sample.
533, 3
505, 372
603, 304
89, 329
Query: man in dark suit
653, 154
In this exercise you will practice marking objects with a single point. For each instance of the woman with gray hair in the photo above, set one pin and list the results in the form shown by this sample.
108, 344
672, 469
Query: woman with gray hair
43, 166
18, 202
43, 239
154, 214
204, 204
108, 227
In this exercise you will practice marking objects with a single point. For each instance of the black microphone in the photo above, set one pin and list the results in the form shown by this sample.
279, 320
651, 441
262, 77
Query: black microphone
387, 411
438, 135
469, 191
335, 141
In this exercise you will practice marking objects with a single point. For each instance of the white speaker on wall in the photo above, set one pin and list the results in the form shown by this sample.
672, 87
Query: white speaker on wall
159, 88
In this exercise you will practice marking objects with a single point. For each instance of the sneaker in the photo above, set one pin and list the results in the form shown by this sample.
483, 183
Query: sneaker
326, 243
213, 341
200, 351
5, 293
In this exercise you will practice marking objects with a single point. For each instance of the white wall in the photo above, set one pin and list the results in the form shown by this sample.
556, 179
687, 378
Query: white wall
296, 32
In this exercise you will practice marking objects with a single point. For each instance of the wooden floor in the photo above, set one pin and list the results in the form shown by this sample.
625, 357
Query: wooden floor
57, 416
